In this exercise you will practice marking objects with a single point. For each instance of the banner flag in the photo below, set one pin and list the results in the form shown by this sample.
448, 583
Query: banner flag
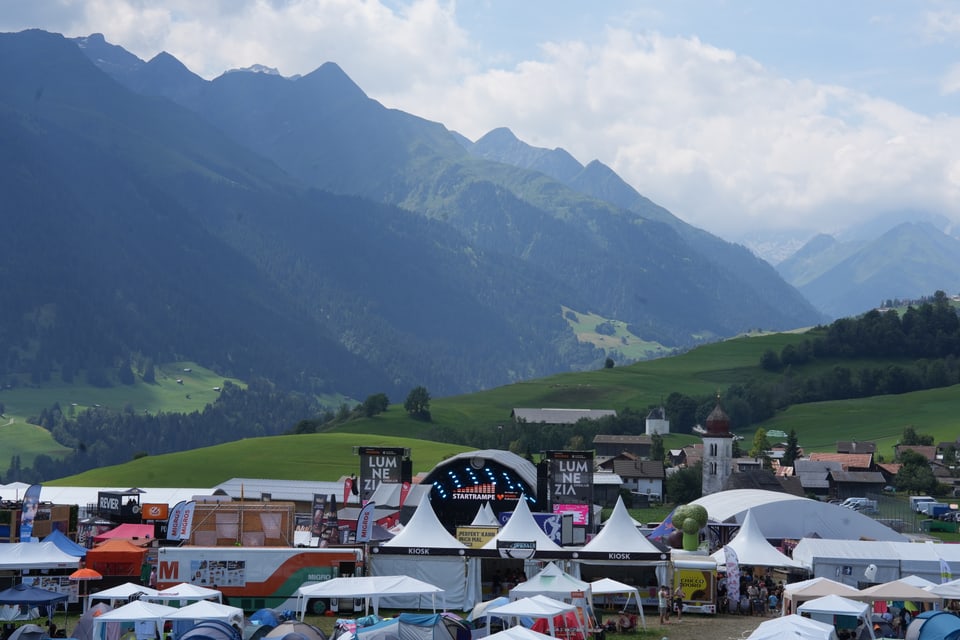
365, 522
186, 521
945, 574
319, 515
347, 489
404, 492
173, 521
31, 503
664, 529
733, 574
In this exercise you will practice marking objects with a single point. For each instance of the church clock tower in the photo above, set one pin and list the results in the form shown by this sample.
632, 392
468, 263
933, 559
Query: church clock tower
717, 451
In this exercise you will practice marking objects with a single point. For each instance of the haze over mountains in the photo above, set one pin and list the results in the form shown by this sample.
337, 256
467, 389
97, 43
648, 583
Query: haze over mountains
295, 229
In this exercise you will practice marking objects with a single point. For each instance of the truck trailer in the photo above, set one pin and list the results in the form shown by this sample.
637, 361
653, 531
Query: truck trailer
254, 578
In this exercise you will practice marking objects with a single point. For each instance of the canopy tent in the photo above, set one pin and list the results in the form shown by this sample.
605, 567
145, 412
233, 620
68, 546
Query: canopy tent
896, 590
620, 535
128, 531
521, 527
30, 596
149, 616
917, 581
793, 627
65, 544
753, 549
797, 592
116, 557
23, 556
537, 607
554, 583
121, 592
608, 586
186, 617
518, 633
948, 590
370, 588
457, 575
831, 609
186, 592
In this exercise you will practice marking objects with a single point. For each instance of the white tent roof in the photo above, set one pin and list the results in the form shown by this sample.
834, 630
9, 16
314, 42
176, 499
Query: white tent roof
532, 607
17, 556
206, 610
424, 530
782, 515
609, 585
521, 527
816, 588
893, 558
793, 627
485, 517
917, 581
187, 591
124, 590
949, 590
897, 590
835, 605
552, 581
367, 587
136, 611
519, 633
619, 533
752, 547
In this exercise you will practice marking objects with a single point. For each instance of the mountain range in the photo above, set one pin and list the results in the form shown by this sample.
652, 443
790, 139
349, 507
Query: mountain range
295, 229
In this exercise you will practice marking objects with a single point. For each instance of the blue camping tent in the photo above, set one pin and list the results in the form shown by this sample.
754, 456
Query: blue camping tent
934, 625
65, 544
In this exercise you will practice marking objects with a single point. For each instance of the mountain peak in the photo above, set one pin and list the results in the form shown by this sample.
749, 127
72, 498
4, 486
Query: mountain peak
500, 135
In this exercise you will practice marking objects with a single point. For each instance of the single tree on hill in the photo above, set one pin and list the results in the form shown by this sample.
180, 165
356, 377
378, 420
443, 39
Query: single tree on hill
418, 403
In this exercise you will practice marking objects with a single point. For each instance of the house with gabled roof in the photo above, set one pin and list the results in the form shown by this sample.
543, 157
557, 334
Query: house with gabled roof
612, 445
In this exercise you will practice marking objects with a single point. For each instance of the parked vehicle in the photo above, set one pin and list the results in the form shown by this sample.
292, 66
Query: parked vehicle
917, 501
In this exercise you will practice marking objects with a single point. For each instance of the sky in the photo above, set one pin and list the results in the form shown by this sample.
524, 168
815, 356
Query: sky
738, 116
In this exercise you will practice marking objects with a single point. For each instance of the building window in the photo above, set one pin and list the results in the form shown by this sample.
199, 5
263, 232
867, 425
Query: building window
713, 448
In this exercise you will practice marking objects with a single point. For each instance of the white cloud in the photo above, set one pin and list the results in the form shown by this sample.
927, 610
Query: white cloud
718, 138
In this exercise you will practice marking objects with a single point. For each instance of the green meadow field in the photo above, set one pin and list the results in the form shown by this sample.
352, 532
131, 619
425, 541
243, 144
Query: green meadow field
704, 371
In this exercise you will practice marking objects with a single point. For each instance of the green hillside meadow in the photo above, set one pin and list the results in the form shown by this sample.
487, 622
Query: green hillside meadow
703, 371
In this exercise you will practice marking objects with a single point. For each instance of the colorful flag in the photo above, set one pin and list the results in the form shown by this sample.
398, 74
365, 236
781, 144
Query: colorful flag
404, 492
31, 503
347, 489
733, 574
945, 574
365, 522
173, 521
664, 529
186, 522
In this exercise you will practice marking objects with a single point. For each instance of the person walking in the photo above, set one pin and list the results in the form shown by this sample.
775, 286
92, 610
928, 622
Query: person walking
663, 604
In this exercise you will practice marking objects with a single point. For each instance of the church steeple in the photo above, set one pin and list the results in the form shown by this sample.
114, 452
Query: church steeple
717, 451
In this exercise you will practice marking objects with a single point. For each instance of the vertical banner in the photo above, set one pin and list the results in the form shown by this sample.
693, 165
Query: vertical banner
319, 515
332, 523
31, 503
570, 484
733, 574
945, 574
173, 521
186, 521
347, 489
379, 465
365, 522
404, 492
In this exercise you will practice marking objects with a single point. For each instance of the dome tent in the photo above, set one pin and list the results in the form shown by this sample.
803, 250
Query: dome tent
934, 625
212, 630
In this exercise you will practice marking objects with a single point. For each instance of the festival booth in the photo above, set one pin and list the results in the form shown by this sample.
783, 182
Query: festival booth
146, 617
552, 582
184, 592
619, 551
116, 557
370, 588
514, 539
23, 556
608, 587
114, 596
425, 551
32, 598
793, 627
558, 617
796, 593
842, 613
849, 559
127, 531
186, 617
753, 549
65, 544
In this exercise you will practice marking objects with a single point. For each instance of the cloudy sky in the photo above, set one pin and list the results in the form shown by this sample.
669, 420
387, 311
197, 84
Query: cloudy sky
736, 115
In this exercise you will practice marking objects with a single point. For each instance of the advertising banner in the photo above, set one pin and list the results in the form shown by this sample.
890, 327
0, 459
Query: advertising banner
365, 522
173, 521
379, 465
186, 521
570, 479
31, 504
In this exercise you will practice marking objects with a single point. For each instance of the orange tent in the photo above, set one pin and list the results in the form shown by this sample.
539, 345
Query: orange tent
116, 557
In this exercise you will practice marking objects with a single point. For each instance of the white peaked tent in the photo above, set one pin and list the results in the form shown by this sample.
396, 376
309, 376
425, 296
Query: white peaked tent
896, 590
620, 534
186, 592
605, 586
793, 627
485, 517
947, 590
458, 575
917, 581
753, 549
138, 612
554, 583
521, 527
826, 609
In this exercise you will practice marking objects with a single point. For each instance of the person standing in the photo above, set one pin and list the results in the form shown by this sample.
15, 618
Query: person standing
663, 604
678, 602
